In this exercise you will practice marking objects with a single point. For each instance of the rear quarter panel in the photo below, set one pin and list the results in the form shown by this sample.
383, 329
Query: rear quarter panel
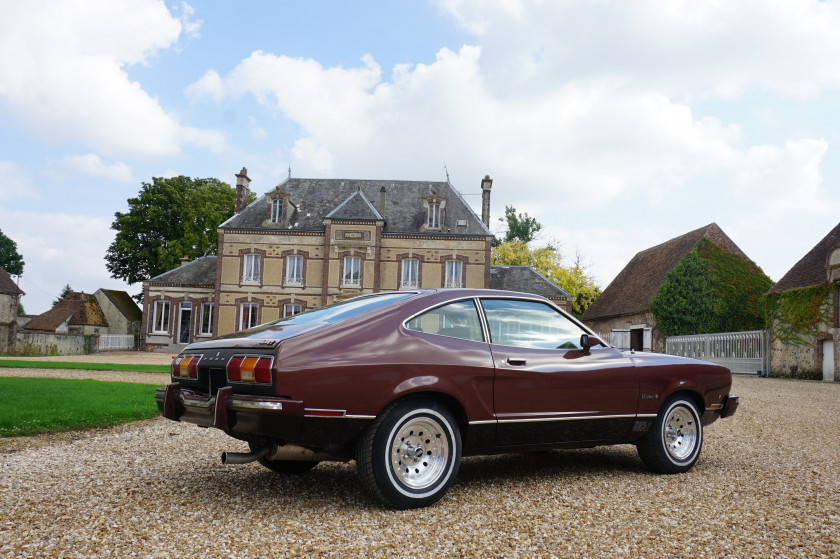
363, 365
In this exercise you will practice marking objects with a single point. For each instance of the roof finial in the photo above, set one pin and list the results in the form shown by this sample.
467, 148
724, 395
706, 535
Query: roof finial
447, 173
290, 170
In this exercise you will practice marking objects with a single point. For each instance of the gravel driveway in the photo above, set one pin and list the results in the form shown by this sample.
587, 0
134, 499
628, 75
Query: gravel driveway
767, 485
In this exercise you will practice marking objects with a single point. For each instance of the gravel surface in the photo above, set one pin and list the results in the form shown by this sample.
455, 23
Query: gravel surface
147, 357
767, 485
161, 379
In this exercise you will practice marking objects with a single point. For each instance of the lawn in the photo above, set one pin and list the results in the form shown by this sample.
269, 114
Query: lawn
40, 405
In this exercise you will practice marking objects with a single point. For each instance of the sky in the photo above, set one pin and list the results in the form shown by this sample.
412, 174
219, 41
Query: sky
618, 125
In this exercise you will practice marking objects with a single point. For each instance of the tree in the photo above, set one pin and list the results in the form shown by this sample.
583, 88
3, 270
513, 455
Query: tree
65, 291
20, 310
10, 259
548, 261
170, 218
520, 227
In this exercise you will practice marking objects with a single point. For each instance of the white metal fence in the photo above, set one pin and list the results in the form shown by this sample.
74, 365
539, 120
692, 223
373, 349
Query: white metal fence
115, 342
741, 352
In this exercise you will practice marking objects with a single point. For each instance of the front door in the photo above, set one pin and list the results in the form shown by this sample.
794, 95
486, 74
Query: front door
828, 360
544, 390
184, 323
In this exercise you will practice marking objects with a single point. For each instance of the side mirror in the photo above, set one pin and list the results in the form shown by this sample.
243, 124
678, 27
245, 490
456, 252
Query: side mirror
584, 341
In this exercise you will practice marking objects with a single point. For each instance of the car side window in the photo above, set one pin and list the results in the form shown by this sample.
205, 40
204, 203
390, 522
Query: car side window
520, 323
456, 320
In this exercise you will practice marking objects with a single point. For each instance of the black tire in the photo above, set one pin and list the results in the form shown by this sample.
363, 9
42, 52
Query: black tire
293, 467
409, 456
673, 444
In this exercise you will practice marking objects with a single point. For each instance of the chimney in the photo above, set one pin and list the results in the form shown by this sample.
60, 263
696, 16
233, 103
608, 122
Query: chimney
185, 260
382, 192
242, 190
486, 185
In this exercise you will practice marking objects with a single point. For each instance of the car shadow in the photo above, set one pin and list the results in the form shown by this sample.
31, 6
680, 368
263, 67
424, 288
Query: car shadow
334, 484
550, 463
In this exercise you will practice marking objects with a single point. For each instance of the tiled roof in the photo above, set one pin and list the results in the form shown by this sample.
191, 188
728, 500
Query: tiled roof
811, 269
404, 212
124, 303
7, 284
201, 271
81, 308
526, 280
632, 290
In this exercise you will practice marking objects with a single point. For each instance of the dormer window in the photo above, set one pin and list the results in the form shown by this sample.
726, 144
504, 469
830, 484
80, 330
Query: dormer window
277, 210
434, 215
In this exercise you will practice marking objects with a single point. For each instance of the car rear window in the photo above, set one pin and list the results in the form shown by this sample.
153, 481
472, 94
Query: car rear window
344, 309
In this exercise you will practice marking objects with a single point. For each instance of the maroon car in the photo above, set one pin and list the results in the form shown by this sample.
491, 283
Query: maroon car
408, 382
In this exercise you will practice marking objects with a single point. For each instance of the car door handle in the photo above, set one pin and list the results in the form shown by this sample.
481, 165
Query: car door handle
516, 362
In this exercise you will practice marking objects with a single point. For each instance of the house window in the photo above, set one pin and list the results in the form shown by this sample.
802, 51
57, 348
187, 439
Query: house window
291, 309
206, 326
294, 270
351, 277
251, 268
434, 215
409, 274
248, 315
160, 324
454, 270
276, 210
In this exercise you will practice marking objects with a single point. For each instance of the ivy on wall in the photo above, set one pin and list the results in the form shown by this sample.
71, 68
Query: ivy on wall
796, 314
711, 290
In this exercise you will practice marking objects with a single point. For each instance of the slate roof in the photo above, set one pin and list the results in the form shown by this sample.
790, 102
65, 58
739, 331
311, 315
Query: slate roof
811, 269
356, 207
81, 308
8, 285
526, 280
124, 303
201, 271
313, 200
632, 290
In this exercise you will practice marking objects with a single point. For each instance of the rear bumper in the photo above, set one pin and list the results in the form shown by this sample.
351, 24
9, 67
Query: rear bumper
261, 418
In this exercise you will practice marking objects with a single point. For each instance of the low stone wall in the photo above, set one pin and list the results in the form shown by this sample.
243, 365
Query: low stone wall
54, 344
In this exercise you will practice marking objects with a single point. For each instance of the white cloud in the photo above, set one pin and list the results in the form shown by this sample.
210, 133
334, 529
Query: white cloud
683, 47
14, 182
62, 73
58, 249
93, 166
780, 179
568, 142
191, 27
575, 104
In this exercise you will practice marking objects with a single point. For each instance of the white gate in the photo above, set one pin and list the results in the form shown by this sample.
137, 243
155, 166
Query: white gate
741, 352
115, 342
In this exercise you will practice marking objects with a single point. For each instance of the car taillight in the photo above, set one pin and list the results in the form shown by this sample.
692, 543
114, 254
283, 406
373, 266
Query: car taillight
249, 368
186, 366
233, 368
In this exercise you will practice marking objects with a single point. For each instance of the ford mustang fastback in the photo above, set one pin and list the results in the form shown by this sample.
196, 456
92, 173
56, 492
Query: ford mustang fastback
408, 382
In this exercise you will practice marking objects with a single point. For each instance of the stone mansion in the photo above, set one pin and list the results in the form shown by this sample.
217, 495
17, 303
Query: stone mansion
311, 242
